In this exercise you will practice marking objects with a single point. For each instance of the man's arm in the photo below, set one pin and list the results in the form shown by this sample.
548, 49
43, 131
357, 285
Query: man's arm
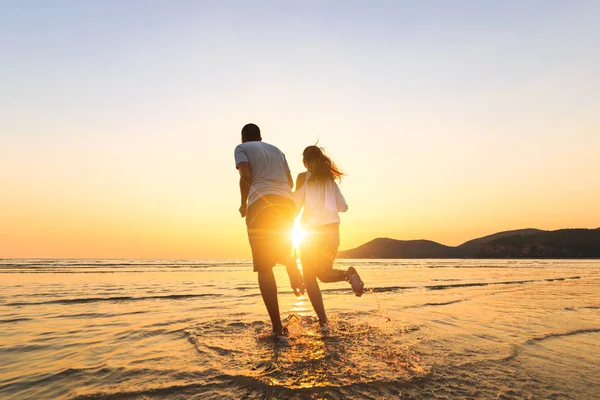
245, 182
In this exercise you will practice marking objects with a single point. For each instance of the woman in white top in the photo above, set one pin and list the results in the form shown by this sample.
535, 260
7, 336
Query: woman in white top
319, 194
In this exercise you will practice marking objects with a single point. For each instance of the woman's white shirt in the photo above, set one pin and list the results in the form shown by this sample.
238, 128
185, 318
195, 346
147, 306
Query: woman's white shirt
322, 200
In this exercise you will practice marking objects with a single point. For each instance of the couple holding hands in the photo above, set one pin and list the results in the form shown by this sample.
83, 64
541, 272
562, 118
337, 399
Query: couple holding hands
270, 206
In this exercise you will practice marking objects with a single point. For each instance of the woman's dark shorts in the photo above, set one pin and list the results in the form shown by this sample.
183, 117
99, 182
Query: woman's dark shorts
319, 248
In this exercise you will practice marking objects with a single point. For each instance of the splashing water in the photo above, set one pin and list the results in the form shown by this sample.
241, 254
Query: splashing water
350, 352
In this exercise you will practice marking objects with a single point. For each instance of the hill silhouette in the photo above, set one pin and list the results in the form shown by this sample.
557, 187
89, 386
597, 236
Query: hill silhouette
522, 243
391, 248
482, 240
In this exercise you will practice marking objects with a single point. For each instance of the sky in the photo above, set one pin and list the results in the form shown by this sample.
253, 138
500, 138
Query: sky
452, 119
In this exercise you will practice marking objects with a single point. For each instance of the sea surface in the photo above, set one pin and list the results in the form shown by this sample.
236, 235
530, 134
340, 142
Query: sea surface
156, 329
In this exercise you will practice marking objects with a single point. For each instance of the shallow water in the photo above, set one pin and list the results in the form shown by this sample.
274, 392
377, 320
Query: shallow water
121, 329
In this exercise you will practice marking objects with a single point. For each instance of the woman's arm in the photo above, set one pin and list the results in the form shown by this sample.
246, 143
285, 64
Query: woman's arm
340, 201
300, 180
300, 192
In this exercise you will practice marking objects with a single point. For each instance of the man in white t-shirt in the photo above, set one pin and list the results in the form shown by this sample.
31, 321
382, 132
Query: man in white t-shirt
266, 202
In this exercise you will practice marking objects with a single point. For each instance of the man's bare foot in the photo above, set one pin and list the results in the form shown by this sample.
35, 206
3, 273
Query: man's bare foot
324, 326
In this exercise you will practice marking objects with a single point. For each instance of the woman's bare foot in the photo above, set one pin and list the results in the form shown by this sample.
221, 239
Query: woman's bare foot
281, 335
355, 282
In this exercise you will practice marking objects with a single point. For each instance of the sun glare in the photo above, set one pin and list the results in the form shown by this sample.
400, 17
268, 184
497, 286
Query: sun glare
298, 234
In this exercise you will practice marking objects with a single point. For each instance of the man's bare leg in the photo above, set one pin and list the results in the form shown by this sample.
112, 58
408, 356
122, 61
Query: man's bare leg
268, 290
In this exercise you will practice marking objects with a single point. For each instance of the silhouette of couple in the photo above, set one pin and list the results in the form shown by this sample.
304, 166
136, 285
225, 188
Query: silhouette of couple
270, 206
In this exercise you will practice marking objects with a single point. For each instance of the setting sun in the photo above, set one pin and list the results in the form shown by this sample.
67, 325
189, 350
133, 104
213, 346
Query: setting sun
298, 234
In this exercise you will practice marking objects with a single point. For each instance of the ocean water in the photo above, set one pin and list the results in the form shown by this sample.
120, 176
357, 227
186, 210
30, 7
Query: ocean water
140, 329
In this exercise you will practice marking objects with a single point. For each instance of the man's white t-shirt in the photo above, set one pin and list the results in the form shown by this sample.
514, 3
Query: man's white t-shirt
269, 169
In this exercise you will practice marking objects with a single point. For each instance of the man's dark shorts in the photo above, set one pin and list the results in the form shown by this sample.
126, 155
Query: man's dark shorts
270, 220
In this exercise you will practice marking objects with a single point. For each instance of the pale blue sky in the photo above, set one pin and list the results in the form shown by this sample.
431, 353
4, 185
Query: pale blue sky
434, 108
105, 59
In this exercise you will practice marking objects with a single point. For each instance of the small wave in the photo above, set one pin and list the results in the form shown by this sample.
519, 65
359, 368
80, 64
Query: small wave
582, 308
559, 335
217, 388
256, 294
98, 374
541, 266
97, 265
74, 271
143, 333
97, 315
159, 391
45, 378
117, 298
13, 320
101, 265
389, 289
242, 288
24, 348
513, 353
221, 351
436, 304
473, 284
169, 323
452, 286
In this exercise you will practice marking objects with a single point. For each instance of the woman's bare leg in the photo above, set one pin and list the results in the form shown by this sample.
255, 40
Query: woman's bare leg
332, 275
315, 296
309, 268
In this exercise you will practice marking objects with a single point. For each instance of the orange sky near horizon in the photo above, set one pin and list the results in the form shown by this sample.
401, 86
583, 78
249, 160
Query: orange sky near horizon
120, 145
80, 206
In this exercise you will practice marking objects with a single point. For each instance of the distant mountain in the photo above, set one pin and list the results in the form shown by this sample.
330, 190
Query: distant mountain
476, 243
522, 243
391, 248
563, 243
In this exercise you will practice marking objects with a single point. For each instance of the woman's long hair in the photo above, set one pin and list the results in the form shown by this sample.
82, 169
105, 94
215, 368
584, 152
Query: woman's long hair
321, 167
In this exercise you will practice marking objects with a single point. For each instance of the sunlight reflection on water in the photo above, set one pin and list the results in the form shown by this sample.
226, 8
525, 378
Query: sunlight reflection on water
302, 306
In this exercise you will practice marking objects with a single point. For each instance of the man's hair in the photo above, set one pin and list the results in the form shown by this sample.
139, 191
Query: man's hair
251, 133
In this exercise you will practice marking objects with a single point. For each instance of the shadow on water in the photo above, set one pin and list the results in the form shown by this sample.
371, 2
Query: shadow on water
351, 359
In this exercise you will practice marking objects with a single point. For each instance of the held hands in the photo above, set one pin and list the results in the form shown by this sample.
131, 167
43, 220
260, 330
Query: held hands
243, 209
